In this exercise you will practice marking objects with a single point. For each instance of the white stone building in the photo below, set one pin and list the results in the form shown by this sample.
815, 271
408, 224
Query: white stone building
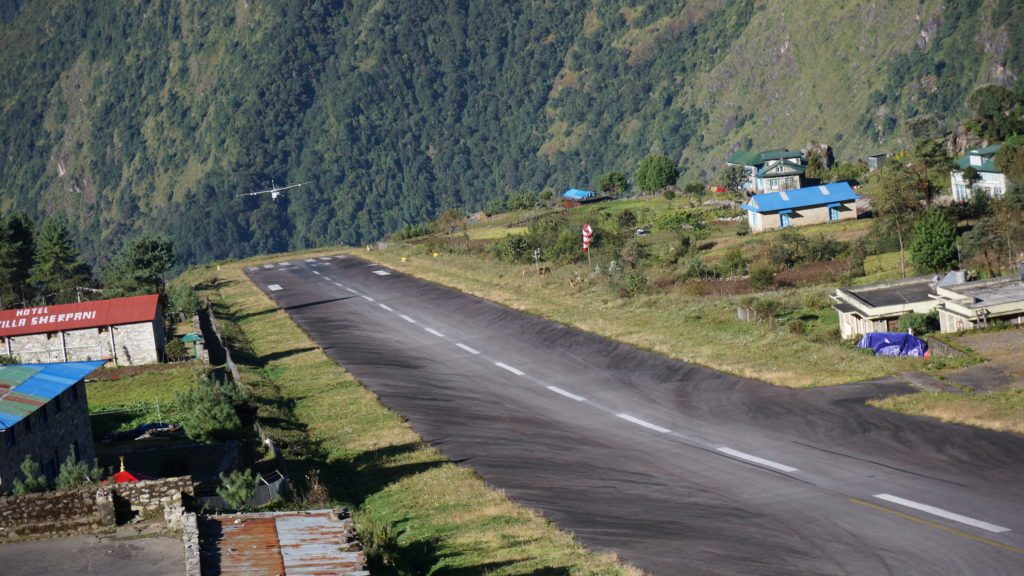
127, 331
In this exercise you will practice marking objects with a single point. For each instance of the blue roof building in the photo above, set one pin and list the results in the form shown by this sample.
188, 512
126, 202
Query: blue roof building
801, 207
43, 414
577, 194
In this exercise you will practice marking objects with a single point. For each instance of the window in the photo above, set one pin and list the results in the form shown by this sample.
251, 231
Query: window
833, 214
784, 221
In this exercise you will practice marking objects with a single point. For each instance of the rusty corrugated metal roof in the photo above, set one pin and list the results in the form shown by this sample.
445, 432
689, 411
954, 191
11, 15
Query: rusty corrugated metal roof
112, 312
281, 543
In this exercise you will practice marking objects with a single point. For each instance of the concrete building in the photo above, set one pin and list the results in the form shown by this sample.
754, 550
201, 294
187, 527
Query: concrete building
43, 414
801, 207
988, 178
879, 307
126, 330
770, 171
975, 304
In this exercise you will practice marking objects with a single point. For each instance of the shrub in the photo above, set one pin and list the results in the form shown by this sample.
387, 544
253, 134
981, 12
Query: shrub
762, 276
797, 326
764, 308
697, 269
33, 482
919, 323
5, 359
237, 487
183, 299
522, 201
733, 263
209, 410
74, 473
742, 227
627, 219
634, 283
515, 248
654, 172
633, 252
669, 194
176, 350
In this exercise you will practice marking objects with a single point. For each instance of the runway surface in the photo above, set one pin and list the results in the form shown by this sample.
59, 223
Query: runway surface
677, 468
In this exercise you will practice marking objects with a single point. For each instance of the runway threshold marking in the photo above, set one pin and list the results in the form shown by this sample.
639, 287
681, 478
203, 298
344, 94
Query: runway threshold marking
434, 332
268, 265
942, 513
937, 526
511, 369
756, 459
325, 257
310, 259
407, 319
382, 273
567, 394
274, 287
285, 263
467, 348
368, 299
643, 423
386, 307
251, 268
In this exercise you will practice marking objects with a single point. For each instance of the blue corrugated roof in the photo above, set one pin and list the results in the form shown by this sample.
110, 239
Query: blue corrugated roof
577, 194
801, 198
24, 387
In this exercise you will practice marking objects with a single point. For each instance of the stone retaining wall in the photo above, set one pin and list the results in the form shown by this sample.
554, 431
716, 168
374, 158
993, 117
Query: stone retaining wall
86, 509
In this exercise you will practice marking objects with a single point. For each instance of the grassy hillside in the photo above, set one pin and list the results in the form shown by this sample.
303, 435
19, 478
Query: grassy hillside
135, 116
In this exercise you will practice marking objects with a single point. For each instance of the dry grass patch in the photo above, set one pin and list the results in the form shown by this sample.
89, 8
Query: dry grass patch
1002, 411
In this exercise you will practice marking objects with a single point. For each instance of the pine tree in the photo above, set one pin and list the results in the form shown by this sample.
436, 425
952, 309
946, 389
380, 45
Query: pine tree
16, 248
933, 243
34, 481
74, 472
58, 269
140, 266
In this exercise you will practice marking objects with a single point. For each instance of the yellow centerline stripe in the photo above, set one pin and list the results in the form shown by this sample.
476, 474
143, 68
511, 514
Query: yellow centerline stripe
938, 526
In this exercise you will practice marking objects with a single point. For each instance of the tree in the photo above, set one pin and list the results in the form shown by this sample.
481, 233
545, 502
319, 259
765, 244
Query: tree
140, 266
74, 472
1010, 160
612, 183
932, 165
734, 178
16, 256
57, 270
696, 189
896, 203
34, 481
933, 242
655, 172
984, 242
998, 111
237, 487
208, 410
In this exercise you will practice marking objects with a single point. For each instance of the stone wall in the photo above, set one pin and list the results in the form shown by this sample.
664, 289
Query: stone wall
140, 343
48, 440
88, 509
151, 496
50, 514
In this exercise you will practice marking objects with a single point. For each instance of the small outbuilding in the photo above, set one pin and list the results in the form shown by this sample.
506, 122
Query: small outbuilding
975, 304
44, 415
879, 307
128, 331
801, 207
575, 197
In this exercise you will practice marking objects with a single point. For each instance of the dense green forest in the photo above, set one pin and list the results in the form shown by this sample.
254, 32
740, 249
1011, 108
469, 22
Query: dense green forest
129, 117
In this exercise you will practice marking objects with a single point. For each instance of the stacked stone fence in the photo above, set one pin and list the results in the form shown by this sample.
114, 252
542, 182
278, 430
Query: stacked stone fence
87, 509
228, 360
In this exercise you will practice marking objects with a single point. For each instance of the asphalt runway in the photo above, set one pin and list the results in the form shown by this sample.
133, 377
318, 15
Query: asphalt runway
677, 468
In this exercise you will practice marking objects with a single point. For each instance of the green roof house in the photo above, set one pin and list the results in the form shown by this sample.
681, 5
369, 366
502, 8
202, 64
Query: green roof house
984, 177
770, 171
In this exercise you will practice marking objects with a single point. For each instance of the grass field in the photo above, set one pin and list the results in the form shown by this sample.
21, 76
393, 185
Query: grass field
417, 512
1003, 411
128, 397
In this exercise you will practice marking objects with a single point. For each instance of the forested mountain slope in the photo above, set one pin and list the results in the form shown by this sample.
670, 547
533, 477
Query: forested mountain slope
140, 115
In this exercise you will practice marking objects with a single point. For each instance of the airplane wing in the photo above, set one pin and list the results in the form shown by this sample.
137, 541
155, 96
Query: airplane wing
275, 190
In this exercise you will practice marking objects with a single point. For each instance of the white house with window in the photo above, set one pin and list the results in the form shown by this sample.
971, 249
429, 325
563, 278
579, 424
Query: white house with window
801, 207
976, 171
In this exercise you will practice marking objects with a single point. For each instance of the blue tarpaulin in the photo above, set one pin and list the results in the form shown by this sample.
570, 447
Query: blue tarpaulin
577, 194
893, 344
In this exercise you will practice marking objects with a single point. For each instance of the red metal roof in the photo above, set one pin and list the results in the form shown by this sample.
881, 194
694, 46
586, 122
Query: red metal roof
58, 317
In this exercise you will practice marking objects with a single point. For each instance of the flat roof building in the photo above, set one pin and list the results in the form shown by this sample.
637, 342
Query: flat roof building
43, 414
125, 330
879, 307
975, 304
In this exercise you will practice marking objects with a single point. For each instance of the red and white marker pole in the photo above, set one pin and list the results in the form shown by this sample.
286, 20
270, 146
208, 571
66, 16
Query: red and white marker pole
588, 235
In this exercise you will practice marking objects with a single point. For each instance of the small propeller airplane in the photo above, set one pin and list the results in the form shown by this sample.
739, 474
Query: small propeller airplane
274, 191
